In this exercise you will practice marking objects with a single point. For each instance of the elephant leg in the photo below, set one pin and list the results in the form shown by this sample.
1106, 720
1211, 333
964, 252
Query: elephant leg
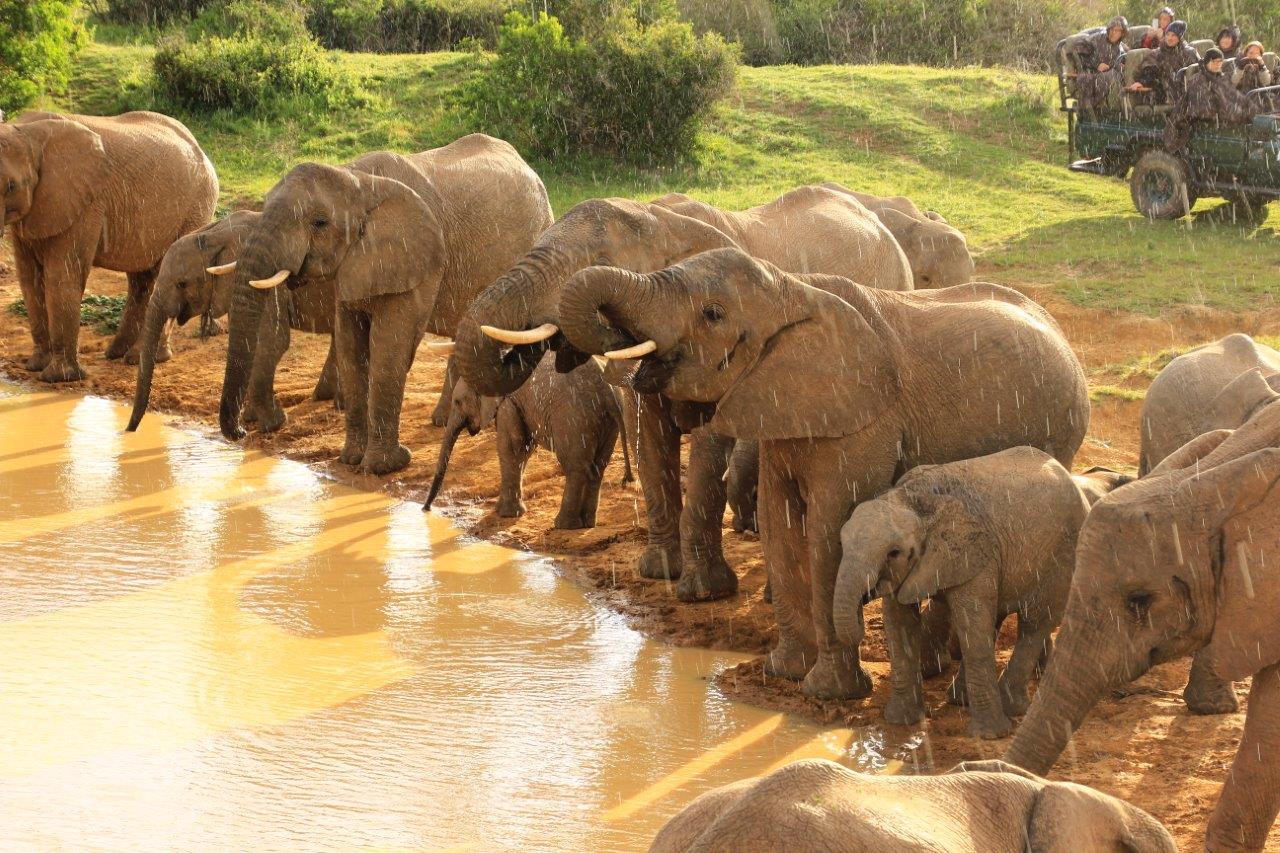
659, 455
440, 414
351, 336
30, 279
1033, 640
64, 279
838, 672
273, 343
705, 576
1250, 799
327, 386
903, 633
514, 449
135, 310
974, 617
393, 340
935, 654
781, 512
741, 483
1206, 693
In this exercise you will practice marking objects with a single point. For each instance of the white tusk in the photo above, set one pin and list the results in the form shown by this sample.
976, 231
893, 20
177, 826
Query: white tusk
268, 283
221, 269
637, 351
600, 361
441, 347
529, 336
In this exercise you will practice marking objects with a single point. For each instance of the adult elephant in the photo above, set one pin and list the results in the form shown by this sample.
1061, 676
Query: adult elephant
508, 328
938, 253
846, 388
195, 281
406, 241
95, 191
1184, 560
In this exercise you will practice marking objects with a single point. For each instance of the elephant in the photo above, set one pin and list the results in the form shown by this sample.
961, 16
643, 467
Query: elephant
741, 485
1207, 388
406, 241
575, 415
512, 323
193, 281
1183, 560
938, 253
985, 537
976, 807
846, 388
810, 229
95, 191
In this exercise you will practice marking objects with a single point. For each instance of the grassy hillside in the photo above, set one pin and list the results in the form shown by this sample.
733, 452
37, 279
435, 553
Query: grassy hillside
985, 147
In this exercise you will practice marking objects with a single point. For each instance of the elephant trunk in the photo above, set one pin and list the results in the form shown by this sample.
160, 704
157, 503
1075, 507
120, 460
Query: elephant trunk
604, 309
457, 422
855, 584
152, 330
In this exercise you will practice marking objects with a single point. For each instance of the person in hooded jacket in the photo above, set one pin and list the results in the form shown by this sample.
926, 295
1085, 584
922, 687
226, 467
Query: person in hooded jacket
1101, 59
1159, 74
1152, 37
1228, 41
1210, 100
1252, 73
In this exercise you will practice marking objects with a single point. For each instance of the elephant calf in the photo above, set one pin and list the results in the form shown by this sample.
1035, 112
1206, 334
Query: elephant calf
978, 807
575, 415
985, 537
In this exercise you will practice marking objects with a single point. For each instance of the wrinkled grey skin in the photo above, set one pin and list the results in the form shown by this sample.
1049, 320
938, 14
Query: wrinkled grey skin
937, 252
989, 537
843, 387
185, 289
78, 192
575, 415
741, 482
977, 807
1182, 561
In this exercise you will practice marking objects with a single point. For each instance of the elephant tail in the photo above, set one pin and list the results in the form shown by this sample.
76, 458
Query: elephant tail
620, 417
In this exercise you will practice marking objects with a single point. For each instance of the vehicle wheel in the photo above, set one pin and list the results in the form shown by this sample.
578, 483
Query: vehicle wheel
1159, 186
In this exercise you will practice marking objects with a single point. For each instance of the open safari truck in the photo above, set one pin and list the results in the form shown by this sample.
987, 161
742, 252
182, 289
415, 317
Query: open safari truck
1124, 137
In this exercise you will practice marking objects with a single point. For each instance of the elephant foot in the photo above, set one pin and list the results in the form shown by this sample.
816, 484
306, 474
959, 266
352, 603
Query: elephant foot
119, 347
574, 521
990, 727
324, 390
163, 354
386, 462
1014, 700
708, 582
511, 508
790, 660
1207, 694
271, 417
352, 452
904, 710
745, 523
831, 680
61, 369
38, 361
659, 564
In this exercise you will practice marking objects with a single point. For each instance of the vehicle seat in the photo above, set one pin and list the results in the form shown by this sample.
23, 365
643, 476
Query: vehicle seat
1201, 45
1071, 49
1134, 37
1271, 61
1136, 103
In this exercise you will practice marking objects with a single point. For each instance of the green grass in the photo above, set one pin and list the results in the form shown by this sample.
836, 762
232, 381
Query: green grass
103, 313
984, 147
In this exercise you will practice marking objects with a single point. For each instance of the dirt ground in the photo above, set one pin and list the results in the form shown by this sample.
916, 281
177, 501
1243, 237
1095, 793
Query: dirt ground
1143, 746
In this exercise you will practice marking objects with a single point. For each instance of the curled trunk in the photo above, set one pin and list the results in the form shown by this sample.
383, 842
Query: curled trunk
152, 330
456, 424
604, 309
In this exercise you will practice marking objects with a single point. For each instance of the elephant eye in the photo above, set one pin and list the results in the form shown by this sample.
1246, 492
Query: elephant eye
895, 553
182, 285
319, 222
713, 313
1139, 605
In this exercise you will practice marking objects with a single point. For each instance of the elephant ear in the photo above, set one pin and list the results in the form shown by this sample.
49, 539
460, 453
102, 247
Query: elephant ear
826, 374
900, 225
73, 165
1243, 396
1065, 818
956, 549
691, 236
399, 245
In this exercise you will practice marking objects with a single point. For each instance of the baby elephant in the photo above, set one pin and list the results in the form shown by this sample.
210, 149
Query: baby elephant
978, 807
576, 415
984, 538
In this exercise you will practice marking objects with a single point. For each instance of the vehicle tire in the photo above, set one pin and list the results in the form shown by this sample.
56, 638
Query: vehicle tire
1159, 186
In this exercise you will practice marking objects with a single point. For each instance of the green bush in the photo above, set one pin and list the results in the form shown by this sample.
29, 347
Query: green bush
151, 13
634, 92
282, 20
37, 41
405, 26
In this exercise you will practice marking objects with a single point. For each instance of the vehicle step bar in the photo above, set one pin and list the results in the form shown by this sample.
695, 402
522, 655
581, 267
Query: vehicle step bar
1092, 167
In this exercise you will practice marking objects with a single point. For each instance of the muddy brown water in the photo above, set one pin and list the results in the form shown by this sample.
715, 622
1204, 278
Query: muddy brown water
208, 648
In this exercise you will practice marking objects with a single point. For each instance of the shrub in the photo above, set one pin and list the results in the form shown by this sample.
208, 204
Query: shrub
37, 40
406, 26
152, 13
635, 92
282, 20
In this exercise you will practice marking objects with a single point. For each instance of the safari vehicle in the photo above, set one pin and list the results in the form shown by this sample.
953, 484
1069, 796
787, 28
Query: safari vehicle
1124, 137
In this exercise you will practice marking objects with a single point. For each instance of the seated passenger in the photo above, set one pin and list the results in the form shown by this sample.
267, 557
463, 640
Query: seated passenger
1159, 75
1210, 100
1151, 38
1251, 71
1228, 41
1101, 59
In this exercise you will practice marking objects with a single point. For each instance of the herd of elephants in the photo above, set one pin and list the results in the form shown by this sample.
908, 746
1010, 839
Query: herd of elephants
893, 429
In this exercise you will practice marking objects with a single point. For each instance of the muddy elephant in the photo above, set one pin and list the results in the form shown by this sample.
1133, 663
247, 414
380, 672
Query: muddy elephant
575, 415
810, 229
985, 538
95, 191
846, 388
1184, 560
977, 807
194, 280
510, 326
406, 241
938, 253
741, 485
